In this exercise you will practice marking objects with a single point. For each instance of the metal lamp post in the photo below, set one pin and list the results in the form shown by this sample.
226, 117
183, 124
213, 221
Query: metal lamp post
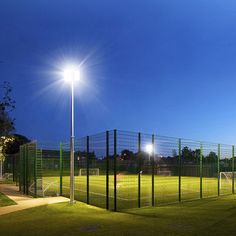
71, 75
72, 146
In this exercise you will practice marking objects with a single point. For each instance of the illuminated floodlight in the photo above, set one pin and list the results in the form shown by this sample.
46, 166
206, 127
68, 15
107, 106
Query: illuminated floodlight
71, 74
149, 148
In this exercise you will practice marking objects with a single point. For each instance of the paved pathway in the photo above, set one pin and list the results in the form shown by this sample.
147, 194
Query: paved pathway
23, 201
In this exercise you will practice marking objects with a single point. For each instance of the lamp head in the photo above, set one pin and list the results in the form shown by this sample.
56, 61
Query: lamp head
71, 74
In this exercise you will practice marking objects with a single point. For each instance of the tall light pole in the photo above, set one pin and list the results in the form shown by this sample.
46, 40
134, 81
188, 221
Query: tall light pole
71, 74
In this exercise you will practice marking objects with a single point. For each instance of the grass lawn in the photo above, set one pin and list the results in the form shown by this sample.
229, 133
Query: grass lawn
5, 201
204, 217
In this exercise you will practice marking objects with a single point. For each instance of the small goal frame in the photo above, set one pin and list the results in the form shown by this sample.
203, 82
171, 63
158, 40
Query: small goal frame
91, 171
229, 175
163, 172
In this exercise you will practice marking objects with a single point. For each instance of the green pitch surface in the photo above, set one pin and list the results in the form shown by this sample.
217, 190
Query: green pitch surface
165, 189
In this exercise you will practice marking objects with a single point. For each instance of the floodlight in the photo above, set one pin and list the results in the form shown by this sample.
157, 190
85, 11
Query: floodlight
149, 148
71, 74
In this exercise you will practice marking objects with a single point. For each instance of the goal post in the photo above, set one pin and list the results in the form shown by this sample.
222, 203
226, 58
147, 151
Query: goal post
227, 177
92, 171
164, 172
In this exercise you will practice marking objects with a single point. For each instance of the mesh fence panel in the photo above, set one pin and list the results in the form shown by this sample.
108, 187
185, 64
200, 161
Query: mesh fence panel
210, 169
80, 170
21, 170
97, 170
110, 165
49, 153
127, 169
190, 174
30, 169
225, 169
166, 170
146, 171
66, 170
11, 167
118, 170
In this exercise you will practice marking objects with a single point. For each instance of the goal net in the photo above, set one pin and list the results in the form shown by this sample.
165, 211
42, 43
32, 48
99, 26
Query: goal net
92, 171
226, 177
164, 172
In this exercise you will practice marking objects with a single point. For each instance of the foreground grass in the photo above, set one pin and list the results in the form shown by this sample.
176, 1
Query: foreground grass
5, 201
203, 217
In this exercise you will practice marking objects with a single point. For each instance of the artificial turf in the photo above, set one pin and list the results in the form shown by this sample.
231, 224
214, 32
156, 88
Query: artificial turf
166, 189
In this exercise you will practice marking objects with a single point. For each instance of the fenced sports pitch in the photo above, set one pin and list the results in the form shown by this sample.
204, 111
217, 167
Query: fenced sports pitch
114, 169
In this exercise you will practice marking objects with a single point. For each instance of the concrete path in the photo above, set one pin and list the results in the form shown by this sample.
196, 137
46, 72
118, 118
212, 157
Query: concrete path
23, 201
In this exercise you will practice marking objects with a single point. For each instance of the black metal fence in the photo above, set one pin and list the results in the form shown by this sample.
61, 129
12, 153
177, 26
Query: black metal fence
119, 169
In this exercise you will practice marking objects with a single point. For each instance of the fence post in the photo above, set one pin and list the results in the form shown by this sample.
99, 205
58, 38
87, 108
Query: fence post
13, 168
218, 169
23, 168
115, 153
87, 154
201, 170
26, 170
152, 162
139, 170
35, 171
20, 170
61, 168
233, 169
180, 169
107, 170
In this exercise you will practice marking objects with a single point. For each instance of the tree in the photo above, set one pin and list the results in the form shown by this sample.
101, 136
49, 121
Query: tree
7, 126
14, 143
211, 157
187, 153
127, 155
3, 141
7, 105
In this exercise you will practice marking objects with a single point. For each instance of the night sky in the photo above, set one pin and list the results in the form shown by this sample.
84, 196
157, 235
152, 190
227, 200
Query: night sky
167, 67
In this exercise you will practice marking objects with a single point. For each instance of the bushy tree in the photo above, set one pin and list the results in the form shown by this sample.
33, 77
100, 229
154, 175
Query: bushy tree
211, 157
7, 105
3, 142
14, 143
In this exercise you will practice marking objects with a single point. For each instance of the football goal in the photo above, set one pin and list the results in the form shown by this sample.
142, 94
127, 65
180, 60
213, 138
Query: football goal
226, 177
92, 171
43, 186
164, 172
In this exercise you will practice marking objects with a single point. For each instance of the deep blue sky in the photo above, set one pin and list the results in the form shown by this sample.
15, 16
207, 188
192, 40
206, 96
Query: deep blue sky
160, 66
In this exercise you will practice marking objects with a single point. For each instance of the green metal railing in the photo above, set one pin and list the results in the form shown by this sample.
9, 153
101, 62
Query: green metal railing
114, 171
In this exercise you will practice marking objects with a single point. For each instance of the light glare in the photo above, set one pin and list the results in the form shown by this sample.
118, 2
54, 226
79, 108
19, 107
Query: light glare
149, 148
71, 74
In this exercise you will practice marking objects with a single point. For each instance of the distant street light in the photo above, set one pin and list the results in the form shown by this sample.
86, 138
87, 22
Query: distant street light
71, 75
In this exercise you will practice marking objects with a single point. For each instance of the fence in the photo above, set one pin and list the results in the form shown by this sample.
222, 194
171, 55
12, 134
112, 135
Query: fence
9, 168
114, 169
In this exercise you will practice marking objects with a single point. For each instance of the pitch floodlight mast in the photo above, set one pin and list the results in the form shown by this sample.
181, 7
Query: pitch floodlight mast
71, 75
